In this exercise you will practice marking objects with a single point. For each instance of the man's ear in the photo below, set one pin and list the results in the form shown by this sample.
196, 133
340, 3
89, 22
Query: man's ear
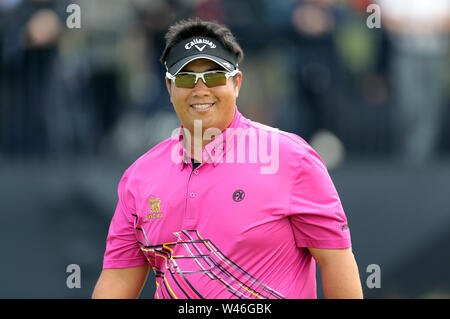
237, 83
168, 84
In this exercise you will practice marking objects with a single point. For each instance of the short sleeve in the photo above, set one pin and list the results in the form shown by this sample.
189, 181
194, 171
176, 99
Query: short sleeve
316, 213
122, 248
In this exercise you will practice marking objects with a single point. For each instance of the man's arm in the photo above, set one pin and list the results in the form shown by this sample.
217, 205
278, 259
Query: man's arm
124, 283
340, 276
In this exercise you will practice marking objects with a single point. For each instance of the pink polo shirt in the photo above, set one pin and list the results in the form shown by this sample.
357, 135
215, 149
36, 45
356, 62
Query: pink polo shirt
238, 225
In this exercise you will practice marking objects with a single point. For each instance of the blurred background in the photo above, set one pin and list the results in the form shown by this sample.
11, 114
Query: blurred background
79, 105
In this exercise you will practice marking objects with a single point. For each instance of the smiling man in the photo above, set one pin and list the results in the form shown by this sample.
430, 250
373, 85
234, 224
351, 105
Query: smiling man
214, 228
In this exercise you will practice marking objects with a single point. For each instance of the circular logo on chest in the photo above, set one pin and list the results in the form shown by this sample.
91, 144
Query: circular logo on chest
238, 195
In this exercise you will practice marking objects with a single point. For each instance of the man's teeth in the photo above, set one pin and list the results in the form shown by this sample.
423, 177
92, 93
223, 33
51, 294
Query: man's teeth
201, 106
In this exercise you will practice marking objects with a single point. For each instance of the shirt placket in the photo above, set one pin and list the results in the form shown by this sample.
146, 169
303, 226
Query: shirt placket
189, 220
192, 199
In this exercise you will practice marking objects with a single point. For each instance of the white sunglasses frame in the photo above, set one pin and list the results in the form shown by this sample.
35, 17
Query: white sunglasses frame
200, 75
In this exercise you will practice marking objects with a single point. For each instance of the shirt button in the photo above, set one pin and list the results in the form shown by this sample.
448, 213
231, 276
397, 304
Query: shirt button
196, 172
192, 195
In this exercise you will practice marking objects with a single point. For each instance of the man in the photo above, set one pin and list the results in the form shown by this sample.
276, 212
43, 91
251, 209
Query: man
225, 208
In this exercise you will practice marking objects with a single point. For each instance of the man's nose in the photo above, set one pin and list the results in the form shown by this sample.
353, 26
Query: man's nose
200, 87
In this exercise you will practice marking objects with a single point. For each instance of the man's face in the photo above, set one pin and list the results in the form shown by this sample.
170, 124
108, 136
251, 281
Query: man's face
222, 99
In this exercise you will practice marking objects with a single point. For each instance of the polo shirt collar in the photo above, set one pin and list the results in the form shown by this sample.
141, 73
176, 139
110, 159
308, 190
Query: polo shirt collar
215, 151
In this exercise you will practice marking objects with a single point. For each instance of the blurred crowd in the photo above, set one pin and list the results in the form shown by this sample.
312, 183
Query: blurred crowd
313, 67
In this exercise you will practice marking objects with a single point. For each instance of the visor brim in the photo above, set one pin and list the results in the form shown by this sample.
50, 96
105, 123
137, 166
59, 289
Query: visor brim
174, 69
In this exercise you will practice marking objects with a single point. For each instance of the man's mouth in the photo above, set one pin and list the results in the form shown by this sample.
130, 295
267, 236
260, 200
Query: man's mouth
202, 107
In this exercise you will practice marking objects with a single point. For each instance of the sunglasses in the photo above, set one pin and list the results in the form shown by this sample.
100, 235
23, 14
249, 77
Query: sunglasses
211, 78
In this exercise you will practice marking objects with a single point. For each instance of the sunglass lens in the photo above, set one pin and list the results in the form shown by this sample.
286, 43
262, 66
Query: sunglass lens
185, 81
215, 79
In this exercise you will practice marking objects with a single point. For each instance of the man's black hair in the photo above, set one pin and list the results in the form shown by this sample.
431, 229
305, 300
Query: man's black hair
193, 27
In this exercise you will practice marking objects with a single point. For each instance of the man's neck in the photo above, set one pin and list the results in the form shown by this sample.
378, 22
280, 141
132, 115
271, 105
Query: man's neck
195, 150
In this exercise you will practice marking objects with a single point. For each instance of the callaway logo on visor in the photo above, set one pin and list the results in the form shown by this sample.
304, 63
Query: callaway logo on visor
200, 47
200, 44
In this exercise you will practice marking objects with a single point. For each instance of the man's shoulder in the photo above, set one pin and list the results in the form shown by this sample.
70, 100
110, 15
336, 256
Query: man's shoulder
287, 141
164, 147
158, 154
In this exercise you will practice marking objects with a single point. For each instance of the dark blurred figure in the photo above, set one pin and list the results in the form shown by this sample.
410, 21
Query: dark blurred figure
105, 24
315, 65
419, 40
153, 19
366, 117
248, 20
30, 34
